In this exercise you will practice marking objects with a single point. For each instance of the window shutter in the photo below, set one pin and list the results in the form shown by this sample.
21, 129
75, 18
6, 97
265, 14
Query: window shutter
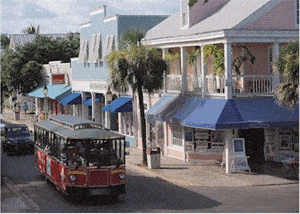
83, 54
92, 48
109, 45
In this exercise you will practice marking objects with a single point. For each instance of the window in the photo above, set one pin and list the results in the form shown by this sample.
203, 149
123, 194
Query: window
177, 135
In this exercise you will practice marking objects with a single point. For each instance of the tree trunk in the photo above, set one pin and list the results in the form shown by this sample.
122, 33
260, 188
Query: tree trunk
143, 122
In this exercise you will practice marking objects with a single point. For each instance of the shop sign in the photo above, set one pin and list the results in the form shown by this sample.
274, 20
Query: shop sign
98, 86
259, 125
58, 79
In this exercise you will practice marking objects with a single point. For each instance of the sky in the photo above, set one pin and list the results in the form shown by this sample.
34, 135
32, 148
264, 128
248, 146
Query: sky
62, 16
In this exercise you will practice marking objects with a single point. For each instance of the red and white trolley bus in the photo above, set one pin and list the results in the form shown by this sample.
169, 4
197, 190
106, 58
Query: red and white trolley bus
80, 157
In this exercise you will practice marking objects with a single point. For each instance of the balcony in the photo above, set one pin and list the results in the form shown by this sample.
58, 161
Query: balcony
249, 85
215, 85
174, 84
243, 85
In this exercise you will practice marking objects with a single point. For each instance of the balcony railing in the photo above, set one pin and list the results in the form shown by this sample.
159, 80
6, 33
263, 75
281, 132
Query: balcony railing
174, 83
194, 84
243, 85
253, 85
215, 85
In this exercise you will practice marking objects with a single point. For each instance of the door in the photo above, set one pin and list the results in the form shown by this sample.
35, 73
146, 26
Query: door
254, 144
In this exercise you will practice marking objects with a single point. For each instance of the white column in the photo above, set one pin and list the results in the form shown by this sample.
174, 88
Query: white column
93, 106
37, 106
228, 149
107, 114
83, 107
228, 70
203, 72
164, 52
183, 69
166, 138
275, 58
74, 110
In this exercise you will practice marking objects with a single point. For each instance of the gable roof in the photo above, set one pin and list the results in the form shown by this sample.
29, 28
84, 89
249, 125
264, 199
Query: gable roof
232, 16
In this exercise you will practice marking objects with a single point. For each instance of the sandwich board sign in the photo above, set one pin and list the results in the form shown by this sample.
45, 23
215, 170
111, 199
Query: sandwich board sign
240, 160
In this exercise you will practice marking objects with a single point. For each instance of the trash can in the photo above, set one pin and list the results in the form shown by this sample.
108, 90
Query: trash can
153, 158
17, 115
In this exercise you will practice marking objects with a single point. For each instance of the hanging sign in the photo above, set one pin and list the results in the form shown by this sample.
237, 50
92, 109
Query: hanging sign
58, 79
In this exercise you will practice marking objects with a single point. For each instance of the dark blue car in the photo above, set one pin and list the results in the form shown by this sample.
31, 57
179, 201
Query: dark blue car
16, 139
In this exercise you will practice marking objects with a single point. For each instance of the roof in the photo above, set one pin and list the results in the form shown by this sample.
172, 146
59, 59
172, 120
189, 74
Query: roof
83, 133
232, 15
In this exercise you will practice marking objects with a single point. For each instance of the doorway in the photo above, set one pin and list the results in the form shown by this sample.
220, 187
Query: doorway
254, 144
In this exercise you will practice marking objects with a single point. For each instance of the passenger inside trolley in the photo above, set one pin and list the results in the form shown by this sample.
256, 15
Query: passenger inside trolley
94, 153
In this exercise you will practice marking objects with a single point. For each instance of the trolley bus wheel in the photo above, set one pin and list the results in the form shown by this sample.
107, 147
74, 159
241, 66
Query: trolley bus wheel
47, 180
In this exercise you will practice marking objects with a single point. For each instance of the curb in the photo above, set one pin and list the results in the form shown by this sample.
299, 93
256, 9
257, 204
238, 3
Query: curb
28, 201
157, 175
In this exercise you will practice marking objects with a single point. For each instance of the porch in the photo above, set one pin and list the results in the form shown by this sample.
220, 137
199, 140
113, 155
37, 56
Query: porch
214, 86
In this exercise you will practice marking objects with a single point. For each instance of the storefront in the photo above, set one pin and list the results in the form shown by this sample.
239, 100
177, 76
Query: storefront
199, 128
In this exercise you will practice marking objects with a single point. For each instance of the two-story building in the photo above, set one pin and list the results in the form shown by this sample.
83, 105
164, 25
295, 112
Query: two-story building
91, 78
210, 99
58, 78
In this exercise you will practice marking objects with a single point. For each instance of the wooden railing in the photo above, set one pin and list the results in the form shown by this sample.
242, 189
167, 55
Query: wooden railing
174, 83
253, 85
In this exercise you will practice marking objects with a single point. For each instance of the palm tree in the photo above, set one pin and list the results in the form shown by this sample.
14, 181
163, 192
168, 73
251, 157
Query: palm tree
140, 67
32, 30
288, 67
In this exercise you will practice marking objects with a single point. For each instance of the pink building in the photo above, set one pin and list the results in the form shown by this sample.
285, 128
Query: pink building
204, 108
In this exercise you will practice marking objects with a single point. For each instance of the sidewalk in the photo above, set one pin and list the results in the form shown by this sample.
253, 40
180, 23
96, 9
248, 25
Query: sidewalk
201, 173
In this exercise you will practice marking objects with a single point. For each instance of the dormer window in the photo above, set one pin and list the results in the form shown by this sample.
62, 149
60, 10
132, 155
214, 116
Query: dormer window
184, 13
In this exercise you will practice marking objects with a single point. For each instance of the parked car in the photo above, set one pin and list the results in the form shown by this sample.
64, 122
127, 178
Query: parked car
16, 139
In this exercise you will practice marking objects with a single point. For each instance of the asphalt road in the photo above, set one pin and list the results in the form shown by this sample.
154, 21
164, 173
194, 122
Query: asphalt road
149, 194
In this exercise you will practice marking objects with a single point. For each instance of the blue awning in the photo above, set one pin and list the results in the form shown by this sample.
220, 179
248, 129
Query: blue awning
88, 102
243, 113
56, 92
161, 107
208, 114
265, 112
121, 104
72, 99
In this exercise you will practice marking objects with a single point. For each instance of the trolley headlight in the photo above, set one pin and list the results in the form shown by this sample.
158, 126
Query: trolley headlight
73, 178
122, 176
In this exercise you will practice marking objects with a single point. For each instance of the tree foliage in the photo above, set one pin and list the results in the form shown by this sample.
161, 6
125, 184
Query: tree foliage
31, 30
4, 41
140, 67
132, 37
21, 69
288, 67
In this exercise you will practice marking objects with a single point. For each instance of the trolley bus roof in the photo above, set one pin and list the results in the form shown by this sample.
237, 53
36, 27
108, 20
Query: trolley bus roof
84, 133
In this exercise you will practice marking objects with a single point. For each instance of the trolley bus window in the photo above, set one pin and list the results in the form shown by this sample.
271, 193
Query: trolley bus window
94, 153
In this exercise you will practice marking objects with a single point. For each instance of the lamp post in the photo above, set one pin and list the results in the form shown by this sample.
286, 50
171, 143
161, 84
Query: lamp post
46, 101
